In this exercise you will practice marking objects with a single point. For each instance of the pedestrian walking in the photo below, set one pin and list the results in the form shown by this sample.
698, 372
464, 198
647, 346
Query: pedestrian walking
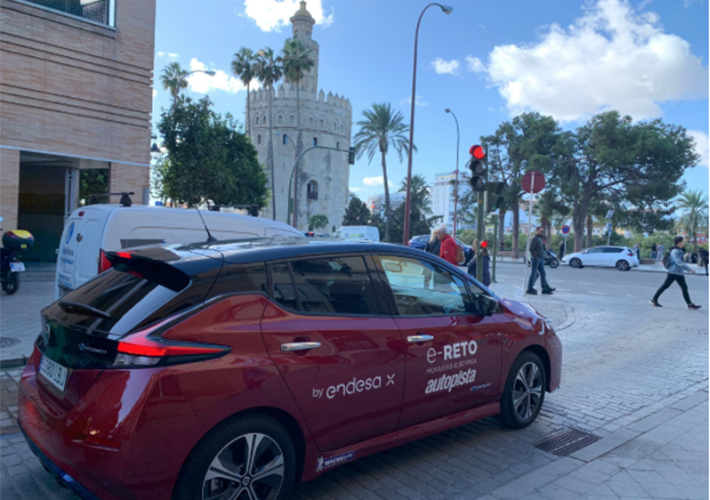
537, 266
501, 249
486, 258
659, 251
704, 259
562, 249
637, 251
654, 250
449, 248
676, 272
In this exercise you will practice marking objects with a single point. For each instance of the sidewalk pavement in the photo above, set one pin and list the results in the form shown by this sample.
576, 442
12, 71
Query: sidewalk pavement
20, 321
661, 456
647, 268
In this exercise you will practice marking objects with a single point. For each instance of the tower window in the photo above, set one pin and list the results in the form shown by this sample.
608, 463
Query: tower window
337, 145
258, 139
284, 139
257, 120
312, 190
315, 141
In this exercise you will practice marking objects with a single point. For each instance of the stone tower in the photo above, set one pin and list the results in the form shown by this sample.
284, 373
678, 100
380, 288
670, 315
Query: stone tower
326, 120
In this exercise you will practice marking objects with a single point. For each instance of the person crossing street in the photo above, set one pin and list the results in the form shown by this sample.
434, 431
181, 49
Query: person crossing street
537, 260
449, 247
676, 272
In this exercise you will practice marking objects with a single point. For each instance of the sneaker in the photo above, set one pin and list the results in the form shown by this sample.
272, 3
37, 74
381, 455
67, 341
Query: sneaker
550, 289
693, 306
532, 291
655, 303
547, 292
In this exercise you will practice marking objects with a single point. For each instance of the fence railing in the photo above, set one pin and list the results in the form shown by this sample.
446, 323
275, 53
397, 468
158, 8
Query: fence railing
98, 11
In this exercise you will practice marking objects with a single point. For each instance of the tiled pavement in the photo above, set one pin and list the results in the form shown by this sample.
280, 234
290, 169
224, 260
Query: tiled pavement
20, 318
638, 380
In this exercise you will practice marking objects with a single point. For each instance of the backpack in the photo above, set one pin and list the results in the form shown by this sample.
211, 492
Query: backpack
666, 260
460, 255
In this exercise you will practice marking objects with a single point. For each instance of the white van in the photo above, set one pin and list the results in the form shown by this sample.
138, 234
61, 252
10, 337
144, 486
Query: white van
363, 233
95, 229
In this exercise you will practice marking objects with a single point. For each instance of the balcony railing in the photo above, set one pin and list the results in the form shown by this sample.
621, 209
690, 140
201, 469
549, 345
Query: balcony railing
97, 11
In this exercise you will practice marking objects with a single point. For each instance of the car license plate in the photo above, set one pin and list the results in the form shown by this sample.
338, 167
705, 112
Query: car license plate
17, 267
54, 372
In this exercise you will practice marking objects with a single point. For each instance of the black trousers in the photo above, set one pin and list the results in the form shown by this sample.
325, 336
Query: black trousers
670, 278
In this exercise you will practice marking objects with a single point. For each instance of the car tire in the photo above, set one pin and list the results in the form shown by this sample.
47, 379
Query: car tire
234, 438
521, 402
622, 265
576, 263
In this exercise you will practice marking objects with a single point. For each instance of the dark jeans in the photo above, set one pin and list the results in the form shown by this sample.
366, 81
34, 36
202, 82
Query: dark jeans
670, 278
537, 266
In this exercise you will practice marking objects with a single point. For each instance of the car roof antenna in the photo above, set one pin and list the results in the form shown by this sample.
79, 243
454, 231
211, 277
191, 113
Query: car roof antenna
210, 239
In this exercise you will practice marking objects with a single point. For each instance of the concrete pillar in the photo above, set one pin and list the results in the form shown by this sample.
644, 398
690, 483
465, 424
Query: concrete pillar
9, 187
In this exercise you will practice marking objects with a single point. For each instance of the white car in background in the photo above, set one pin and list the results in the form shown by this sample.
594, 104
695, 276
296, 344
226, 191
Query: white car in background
622, 258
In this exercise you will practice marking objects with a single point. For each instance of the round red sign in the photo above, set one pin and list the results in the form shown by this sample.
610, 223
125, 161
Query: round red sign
533, 182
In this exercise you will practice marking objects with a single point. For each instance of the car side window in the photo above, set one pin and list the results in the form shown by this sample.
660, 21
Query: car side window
332, 285
241, 279
284, 291
612, 250
422, 288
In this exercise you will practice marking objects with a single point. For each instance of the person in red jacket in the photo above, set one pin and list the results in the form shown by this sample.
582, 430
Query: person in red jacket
448, 246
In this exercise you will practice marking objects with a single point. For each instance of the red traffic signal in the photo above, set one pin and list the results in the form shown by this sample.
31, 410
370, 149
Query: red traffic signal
484, 244
477, 152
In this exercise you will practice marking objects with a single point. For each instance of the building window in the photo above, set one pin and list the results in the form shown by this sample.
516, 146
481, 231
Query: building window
257, 120
279, 119
322, 123
315, 141
284, 139
337, 145
312, 190
258, 139
98, 11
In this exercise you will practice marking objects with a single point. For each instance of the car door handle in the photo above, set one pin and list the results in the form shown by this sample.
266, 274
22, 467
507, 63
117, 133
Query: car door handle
299, 346
416, 339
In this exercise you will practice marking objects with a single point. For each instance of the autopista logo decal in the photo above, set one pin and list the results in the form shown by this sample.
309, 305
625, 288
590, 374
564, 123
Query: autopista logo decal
478, 387
449, 382
355, 386
326, 463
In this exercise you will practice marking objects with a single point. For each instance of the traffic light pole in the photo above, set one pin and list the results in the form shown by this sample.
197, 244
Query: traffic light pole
495, 247
480, 235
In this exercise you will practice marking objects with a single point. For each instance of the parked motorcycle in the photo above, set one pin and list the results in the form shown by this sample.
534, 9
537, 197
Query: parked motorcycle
13, 244
551, 260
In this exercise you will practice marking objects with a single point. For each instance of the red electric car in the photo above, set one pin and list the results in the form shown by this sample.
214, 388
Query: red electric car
233, 371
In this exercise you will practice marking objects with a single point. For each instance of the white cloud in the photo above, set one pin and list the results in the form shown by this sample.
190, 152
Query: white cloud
155, 93
701, 146
419, 101
272, 15
357, 189
444, 67
474, 64
202, 83
173, 55
376, 181
160, 54
613, 57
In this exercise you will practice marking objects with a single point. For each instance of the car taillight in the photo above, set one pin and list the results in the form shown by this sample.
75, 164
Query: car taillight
146, 348
104, 263
630, 253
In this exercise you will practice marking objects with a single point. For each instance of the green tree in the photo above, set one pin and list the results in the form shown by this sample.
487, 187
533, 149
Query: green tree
637, 165
420, 221
316, 222
268, 70
243, 66
694, 216
94, 181
297, 62
173, 79
381, 129
357, 213
207, 158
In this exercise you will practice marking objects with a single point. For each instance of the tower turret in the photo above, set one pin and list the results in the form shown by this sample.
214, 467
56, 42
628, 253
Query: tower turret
302, 28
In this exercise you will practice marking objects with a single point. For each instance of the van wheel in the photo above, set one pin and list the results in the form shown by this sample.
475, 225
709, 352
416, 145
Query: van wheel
249, 457
524, 392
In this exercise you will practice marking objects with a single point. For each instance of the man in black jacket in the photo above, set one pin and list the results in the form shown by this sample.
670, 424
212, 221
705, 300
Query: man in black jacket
537, 259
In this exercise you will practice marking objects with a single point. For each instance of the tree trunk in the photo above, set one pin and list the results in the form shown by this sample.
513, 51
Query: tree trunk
248, 128
387, 198
299, 147
578, 226
590, 229
270, 153
516, 229
501, 227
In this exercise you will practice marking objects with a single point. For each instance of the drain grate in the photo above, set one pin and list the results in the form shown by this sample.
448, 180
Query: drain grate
8, 341
566, 442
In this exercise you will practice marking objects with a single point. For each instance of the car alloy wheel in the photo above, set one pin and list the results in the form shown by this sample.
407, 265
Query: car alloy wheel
251, 467
576, 263
622, 265
527, 391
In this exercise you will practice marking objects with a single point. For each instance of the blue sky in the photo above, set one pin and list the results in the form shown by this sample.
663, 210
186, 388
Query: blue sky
487, 61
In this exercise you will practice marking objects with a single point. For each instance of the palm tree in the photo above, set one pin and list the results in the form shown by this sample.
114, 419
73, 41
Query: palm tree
269, 71
243, 67
381, 129
297, 61
173, 79
695, 214
420, 195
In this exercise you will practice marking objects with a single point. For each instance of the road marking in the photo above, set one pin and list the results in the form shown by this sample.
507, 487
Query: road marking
597, 293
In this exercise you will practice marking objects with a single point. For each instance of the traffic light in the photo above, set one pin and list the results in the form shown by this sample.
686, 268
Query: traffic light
479, 171
484, 244
494, 196
351, 155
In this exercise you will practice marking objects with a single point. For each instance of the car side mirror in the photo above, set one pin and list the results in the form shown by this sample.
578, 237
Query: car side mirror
485, 305
585, 251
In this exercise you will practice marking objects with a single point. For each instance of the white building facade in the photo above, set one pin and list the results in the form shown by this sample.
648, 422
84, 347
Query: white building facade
326, 120
442, 200
376, 203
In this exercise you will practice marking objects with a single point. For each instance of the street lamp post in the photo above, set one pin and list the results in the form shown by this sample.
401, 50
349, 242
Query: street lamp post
456, 182
407, 203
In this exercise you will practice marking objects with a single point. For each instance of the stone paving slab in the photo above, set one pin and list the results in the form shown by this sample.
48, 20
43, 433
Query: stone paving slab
20, 320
